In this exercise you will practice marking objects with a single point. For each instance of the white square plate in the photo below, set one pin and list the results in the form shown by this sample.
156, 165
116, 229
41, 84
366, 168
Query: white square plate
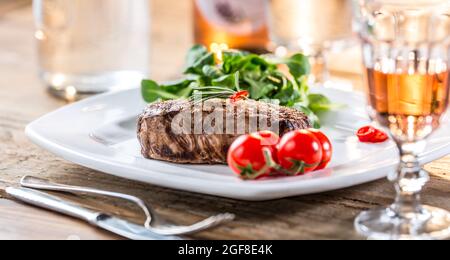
100, 133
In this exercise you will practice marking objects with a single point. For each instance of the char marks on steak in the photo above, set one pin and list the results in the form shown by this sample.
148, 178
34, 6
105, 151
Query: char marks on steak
160, 141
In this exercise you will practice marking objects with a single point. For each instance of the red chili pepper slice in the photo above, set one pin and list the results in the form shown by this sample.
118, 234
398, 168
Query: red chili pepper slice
380, 137
365, 134
239, 96
370, 134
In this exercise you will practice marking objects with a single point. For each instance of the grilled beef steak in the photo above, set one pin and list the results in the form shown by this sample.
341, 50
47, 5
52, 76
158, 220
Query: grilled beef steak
183, 131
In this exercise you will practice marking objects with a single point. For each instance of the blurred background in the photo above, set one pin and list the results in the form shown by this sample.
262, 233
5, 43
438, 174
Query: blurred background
167, 29
171, 30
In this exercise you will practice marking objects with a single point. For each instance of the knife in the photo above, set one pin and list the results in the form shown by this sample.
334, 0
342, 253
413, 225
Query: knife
112, 224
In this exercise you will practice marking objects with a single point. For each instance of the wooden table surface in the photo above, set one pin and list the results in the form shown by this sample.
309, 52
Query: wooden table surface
22, 99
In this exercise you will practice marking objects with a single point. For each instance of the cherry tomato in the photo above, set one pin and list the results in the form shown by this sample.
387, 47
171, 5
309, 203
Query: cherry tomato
299, 152
369, 134
247, 157
239, 96
327, 148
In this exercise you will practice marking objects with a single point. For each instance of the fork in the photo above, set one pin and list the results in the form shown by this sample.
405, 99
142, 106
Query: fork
167, 230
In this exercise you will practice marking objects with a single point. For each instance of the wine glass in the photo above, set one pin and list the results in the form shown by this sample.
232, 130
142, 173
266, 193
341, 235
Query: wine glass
87, 47
313, 27
406, 49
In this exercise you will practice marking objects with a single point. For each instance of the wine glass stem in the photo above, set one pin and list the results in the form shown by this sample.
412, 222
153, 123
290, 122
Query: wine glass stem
409, 181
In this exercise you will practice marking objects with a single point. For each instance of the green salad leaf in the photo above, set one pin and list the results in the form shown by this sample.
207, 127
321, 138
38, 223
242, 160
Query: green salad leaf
260, 75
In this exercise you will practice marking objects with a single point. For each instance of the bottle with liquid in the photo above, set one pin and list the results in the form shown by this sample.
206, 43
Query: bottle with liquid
236, 23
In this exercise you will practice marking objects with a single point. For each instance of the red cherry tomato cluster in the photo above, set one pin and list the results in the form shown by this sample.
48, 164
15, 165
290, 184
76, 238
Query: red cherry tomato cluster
265, 154
369, 134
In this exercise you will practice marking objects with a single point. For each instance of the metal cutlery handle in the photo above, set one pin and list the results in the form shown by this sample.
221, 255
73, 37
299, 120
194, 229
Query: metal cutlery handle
47, 201
41, 184
115, 225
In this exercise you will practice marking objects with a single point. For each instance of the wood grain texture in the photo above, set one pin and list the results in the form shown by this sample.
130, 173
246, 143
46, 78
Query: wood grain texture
322, 216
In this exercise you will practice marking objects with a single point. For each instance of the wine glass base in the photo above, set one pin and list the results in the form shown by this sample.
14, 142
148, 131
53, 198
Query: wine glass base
383, 224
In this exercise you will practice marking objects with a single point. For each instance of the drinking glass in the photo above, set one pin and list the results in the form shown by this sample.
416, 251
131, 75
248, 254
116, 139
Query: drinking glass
92, 46
406, 49
313, 27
